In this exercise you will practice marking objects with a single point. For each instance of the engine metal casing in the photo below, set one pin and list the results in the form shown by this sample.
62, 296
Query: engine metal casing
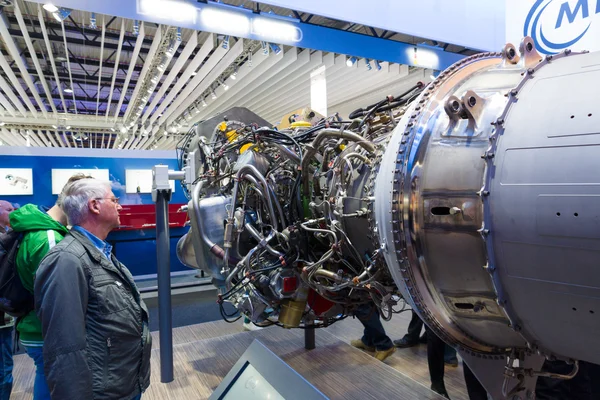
488, 213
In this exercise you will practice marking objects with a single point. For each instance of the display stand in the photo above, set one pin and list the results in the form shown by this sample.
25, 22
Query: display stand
161, 195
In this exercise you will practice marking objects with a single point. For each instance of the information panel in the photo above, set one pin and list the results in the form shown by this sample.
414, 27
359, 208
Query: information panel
16, 181
61, 176
140, 181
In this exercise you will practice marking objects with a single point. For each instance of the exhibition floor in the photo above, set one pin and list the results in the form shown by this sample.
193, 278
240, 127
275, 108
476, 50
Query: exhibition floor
204, 353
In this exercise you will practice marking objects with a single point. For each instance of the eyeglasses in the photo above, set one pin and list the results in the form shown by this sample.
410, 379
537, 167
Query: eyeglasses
115, 200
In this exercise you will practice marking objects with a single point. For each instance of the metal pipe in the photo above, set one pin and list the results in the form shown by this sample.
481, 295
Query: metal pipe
256, 234
289, 154
316, 144
165, 323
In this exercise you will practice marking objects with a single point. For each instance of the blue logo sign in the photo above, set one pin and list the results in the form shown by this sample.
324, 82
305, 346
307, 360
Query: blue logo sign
556, 25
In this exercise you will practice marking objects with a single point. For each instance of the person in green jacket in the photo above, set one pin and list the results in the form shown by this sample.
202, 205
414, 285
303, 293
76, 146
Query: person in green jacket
42, 231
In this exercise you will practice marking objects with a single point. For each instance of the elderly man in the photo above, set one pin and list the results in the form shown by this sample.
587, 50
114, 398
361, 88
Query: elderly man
5, 209
94, 323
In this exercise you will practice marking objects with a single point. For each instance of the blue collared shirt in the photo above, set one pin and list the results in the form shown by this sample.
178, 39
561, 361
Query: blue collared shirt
100, 244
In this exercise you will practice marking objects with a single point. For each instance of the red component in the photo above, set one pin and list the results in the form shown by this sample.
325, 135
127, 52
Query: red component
319, 305
143, 216
290, 284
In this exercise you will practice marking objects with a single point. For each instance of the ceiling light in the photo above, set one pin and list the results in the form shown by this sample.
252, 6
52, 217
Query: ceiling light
214, 95
203, 103
225, 43
68, 90
265, 48
377, 65
249, 62
193, 73
351, 61
123, 129
368, 65
155, 79
178, 34
136, 27
2, 123
161, 67
50, 7
225, 86
275, 48
60, 59
68, 127
93, 21
111, 129
61, 14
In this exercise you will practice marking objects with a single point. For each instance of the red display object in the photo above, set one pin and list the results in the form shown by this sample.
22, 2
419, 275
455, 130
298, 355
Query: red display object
143, 216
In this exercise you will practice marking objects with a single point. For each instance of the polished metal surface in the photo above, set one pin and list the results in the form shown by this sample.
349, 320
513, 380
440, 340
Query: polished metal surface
492, 182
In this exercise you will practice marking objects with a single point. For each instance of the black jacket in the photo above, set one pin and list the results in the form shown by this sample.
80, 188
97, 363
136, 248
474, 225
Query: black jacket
94, 323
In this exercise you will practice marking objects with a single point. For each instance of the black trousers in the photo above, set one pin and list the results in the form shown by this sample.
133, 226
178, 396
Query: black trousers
474, 387
584, 386
435, 360
414, 329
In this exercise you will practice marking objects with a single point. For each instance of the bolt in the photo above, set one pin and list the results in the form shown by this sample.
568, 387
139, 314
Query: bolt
485, 193
549, 57
500, 121
530, 71
568, 51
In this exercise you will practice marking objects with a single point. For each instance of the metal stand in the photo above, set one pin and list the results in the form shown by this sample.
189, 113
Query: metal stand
164, 285
161, 195
309, 337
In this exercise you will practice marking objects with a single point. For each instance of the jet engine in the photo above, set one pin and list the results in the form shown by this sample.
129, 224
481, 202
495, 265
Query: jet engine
475, 198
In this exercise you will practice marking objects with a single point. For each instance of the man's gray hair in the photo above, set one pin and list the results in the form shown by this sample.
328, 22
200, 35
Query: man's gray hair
77, 195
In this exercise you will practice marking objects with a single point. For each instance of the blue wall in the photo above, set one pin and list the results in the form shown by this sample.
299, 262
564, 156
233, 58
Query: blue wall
137, 248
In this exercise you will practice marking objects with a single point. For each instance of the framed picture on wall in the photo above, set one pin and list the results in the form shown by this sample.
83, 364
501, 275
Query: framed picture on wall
140, 181
16, 181
61, 176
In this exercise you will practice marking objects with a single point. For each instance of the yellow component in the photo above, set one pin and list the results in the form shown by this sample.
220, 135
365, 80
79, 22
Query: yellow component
300, 124
222, 126
231, 135
245, 147
342, 147
291, 312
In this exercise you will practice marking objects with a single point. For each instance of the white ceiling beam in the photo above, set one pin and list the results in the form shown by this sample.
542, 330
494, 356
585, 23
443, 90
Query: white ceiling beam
359, 82
134, 56
66, 139
35, 60
62, 24
8, 138
34, 138
51, 138
17, 85
377, 82
246, 83
59, 140
15, 134
142, 76
51, 56
275, 81
194, 90
114, 76
7, 88
169, 105
6, 104
316, 59
181, 60
158, 76
100, 67
303, 66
